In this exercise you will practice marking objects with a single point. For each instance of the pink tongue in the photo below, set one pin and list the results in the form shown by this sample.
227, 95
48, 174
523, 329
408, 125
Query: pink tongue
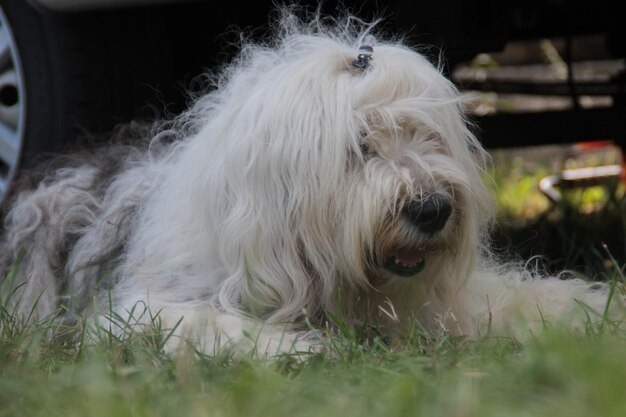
408, 257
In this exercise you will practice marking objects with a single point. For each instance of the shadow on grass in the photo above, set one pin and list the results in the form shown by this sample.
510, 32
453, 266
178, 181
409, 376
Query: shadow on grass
567, 237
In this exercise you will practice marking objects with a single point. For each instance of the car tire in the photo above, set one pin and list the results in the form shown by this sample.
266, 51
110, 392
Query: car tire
62, 77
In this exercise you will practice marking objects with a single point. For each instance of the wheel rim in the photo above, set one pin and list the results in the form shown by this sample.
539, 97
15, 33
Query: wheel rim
12, 105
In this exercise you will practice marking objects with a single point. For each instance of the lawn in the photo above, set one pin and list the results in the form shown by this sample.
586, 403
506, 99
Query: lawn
558, 373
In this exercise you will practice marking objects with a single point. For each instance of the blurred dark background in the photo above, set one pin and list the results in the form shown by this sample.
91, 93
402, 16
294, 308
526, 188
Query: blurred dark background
117, 59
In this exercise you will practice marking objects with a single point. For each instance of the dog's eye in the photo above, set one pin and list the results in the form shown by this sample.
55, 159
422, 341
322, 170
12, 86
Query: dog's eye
362, 140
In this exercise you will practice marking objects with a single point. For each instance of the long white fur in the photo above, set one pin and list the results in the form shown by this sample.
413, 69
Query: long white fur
265, 213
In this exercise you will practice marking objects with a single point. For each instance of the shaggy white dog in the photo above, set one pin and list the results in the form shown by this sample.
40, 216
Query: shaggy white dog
328, 173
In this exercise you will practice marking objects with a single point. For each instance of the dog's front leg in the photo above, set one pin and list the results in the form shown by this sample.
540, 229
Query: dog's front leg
213, 332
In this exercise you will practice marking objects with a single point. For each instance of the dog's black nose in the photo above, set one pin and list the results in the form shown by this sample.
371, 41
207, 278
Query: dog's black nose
429, 215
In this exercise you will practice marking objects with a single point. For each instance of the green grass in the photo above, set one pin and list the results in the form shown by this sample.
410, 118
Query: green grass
558, 373
569, 235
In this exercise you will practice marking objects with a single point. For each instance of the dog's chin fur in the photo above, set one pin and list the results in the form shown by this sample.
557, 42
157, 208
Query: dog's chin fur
276, 201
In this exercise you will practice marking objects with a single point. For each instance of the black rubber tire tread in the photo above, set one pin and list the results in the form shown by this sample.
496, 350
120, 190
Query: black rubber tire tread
84, 73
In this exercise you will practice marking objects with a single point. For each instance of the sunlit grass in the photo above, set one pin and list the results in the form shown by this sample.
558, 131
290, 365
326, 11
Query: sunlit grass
569, 234
516, 174
517, 193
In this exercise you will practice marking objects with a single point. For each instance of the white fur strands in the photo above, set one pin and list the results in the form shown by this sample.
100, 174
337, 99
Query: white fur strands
303, 186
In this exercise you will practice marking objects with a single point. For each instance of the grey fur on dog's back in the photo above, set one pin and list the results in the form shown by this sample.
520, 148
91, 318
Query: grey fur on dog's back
53, 206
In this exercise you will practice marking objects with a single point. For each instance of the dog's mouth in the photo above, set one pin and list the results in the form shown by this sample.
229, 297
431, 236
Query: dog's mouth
407, 262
